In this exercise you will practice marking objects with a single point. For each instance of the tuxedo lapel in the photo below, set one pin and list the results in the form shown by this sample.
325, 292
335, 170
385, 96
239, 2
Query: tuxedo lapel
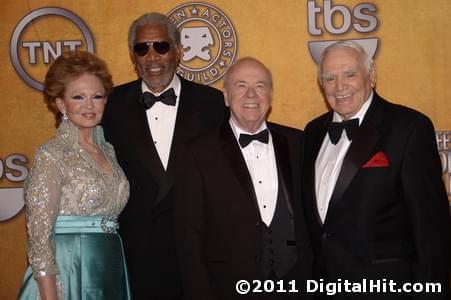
361, 149
187, 121
282, 155
186, 124
140, 141
312, 146
235, 159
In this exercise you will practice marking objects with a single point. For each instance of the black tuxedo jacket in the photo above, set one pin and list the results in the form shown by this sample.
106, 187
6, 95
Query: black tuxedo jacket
218, 222
386, 219
146, 224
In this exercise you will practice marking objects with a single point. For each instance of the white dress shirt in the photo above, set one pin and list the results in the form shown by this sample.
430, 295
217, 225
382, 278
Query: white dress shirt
329, 161
161, 120
261, 163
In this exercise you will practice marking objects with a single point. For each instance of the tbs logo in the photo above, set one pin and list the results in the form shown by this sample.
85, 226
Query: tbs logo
14, 169
339, 20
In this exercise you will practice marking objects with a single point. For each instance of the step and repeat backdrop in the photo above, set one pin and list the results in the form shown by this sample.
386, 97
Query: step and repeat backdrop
409, 41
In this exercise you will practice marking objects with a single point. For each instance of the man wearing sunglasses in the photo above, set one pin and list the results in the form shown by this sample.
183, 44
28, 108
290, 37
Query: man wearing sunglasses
147, 121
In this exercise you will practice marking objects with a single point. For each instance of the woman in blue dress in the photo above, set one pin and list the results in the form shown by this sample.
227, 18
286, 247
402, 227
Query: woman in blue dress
75, 191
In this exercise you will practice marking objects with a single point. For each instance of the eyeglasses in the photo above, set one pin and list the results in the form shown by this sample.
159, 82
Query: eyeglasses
142, 49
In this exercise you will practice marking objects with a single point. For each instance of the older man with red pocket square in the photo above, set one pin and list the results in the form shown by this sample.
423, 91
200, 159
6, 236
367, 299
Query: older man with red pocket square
374, 198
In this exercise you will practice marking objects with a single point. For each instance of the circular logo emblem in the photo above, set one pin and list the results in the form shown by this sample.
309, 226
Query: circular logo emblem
27, 50
13, 168
12, 202
208, 39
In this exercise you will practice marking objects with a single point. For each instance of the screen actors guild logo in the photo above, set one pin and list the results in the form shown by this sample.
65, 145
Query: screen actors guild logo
29, 50
197, 42
208, 39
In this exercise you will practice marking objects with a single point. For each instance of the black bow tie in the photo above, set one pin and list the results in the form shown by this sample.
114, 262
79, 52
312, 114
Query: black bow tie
336, 129
167, 98
246, 139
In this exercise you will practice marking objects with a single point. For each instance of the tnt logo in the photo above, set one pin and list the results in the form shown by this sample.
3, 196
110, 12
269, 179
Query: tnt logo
339, 20
54, 30
208, 39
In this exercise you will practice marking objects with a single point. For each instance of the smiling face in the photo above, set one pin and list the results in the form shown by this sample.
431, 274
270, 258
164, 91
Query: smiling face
346, 82
157, 70
248, 93
83, 101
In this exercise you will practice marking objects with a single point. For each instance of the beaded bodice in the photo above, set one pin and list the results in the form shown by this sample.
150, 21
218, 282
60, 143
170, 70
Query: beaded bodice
66, 180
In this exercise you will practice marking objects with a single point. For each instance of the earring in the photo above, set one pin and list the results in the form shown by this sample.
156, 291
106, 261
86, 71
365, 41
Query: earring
65, 118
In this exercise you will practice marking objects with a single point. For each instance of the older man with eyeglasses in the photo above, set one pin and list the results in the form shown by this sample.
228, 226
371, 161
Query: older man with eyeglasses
147, 120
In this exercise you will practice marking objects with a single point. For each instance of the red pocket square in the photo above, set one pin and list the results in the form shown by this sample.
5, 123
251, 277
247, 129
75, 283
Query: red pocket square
380, 159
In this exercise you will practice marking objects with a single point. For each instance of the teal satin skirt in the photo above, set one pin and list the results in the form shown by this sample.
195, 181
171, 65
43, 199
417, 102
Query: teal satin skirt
90, 260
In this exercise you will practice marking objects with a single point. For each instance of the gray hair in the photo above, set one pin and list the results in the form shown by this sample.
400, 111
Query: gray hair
367, 60
243, 59
154, 18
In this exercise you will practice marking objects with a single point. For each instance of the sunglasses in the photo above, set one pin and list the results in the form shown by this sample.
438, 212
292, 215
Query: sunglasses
142, 49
